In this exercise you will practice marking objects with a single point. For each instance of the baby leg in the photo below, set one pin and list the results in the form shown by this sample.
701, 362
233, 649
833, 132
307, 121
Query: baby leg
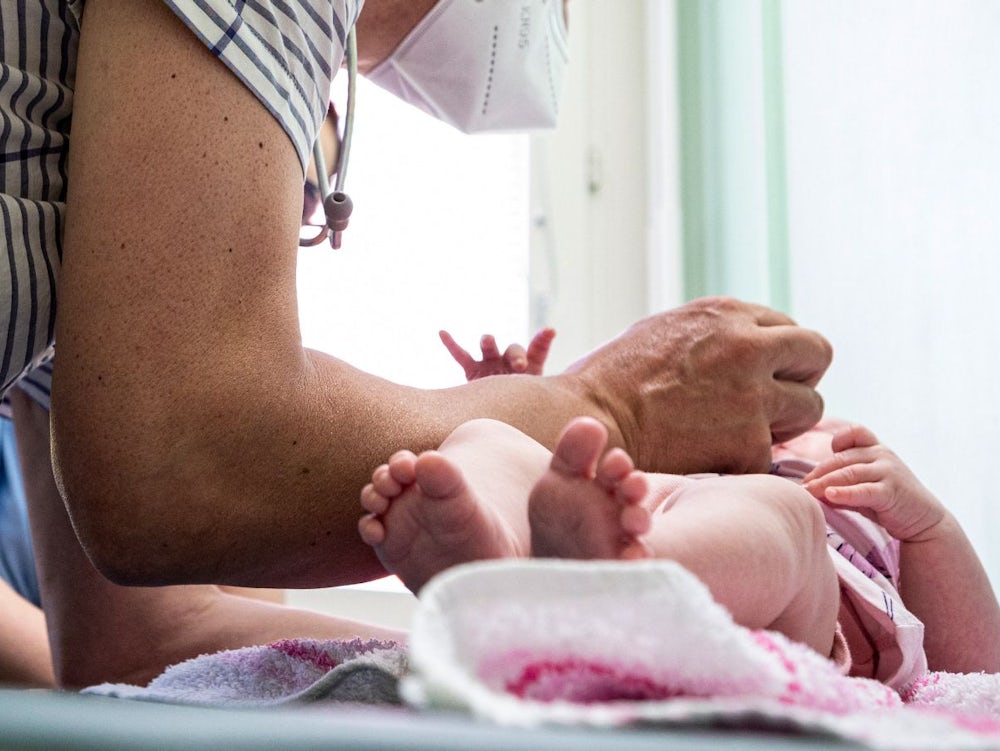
466, 501
587, 505
758, 543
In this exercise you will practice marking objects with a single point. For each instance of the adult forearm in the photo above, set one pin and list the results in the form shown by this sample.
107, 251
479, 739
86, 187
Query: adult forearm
944, 584
24, 649
246, 468
255, 478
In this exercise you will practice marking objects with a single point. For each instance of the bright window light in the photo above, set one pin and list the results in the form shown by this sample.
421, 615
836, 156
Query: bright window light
438, 240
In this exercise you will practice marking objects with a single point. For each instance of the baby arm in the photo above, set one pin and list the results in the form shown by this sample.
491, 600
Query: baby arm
942, 579
758, 543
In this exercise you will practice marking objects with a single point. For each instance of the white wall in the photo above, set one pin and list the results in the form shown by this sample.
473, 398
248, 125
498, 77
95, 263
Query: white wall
605, 235
893, 128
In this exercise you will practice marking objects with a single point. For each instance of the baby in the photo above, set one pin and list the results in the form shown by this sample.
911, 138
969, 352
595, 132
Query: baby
818, 559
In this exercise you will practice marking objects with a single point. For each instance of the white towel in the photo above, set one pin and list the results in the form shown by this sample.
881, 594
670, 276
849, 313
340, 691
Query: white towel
606, 643
293, 670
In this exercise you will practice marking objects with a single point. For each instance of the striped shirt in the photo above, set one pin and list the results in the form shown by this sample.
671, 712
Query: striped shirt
285, 51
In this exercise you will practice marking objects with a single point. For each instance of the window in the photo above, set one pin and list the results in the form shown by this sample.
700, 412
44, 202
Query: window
438, 239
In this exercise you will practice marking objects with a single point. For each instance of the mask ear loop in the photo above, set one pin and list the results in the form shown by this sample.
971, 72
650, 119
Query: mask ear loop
337, 205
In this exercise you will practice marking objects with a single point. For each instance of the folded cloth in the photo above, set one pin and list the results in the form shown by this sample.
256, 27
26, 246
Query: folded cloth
293, 670
606, 643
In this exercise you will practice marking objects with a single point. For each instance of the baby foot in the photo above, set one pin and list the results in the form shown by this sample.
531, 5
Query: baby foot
586, 505
423, 518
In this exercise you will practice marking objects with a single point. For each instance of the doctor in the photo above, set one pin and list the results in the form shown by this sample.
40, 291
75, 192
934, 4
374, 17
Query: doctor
194, 439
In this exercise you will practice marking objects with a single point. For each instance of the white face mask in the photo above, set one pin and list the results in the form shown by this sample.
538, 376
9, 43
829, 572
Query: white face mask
483, 65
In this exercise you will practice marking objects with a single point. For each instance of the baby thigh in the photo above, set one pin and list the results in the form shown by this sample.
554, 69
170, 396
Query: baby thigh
758, 543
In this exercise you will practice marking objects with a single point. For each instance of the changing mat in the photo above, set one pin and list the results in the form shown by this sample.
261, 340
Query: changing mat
606, 643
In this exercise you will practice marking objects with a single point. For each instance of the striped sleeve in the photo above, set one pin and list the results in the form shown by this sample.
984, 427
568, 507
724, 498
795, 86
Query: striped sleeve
285, 51
38, 41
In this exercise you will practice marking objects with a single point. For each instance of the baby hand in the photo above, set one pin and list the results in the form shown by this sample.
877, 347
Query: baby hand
515, 358
865, 476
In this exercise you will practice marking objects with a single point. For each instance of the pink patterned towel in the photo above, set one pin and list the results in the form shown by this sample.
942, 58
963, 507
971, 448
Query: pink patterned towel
286, 671
607, 643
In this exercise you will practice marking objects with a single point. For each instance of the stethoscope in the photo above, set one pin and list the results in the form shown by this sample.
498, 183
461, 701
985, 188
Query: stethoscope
337, 205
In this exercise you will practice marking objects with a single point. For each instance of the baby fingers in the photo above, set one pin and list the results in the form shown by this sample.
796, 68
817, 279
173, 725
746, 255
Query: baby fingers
515, 359
852, 436
852, 485
488, 346
462, 357
862, 495
857, 456
538, 350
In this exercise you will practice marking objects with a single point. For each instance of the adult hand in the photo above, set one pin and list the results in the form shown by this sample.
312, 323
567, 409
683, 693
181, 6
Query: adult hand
708, 386
515, 359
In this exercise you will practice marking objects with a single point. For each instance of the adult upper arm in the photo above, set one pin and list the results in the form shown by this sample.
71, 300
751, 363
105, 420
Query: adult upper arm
178, 271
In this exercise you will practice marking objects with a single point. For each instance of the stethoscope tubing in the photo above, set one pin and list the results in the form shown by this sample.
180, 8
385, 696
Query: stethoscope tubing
333, 226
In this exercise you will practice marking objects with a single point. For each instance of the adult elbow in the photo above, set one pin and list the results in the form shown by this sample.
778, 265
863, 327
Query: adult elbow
116, 510
116, 546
